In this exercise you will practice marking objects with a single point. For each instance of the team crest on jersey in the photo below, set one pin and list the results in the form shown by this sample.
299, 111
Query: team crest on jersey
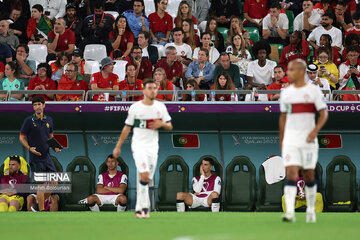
165, 22
173, 70
17, 86
47, 85
110, 184
306, 97
287, 157
78, 84
47, 125
142, 70
183, 53
205, 185
222, 98
110, 82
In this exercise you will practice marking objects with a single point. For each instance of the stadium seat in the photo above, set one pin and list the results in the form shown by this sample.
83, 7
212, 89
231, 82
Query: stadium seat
83, 183
174, 178
113, 13
290, 16
269, 199
149, 7
91, 67
240, 185
57, 164
161, 50
95, 52
38, 52
119, 69
223, 32
340, 185
254, 34
276, 50
123, 167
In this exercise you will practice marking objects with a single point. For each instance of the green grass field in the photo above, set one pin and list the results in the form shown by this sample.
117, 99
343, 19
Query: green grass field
172, 225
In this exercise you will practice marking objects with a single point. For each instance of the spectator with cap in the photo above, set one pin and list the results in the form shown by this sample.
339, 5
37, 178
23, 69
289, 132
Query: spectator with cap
105, 79
27, 67
38, 26
137, 19
53, 9
8, 37
312, 78
78, 60
281, 81
42, 82
226, 66
143, 67
148, 51
131, 82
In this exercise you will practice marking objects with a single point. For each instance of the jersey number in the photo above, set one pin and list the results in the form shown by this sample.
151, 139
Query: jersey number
142, 124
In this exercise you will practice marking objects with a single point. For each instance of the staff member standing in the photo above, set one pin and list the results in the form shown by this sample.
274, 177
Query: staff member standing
38, 128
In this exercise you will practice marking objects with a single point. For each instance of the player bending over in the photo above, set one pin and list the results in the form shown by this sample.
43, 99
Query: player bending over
298, 137
206, 188
110, 188
146, 117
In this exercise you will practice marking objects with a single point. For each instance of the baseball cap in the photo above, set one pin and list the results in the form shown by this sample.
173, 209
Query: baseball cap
78, 52
106, 61
69, 6
312, 67
284, 80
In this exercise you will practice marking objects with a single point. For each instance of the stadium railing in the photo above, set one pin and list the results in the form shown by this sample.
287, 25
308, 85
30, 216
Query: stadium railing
179, 93
121, 95
6, 93
27, 93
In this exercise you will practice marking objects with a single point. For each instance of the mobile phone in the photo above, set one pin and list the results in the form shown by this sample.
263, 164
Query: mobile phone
322, 67
352, 67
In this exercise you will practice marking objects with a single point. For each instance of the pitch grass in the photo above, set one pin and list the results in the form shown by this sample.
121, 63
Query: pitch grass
175, 226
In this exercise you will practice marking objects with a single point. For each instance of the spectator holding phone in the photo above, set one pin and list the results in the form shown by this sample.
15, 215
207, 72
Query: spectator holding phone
327, 69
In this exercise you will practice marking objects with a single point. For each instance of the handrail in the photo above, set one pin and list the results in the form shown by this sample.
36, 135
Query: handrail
181, 92
38, 92
6, 94
128, 92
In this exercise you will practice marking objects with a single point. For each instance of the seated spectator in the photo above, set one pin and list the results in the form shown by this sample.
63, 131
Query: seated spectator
226, 66
7, 37
223, 10
83, 8
121, 37
292, 5
71, 80
202, 71
280, 81
239, 55
57, 67
60, 40
217, 38
124, 5
53, 9
78, 60
163, 84
312, 77
42, 82
323, 6
191, 38
172, 66
192, 85
254, 12
110, 188
236, 27
148, 51
137, 19
326, 41
349, 72
275, 25
342, 19
72, 19
18, 23
260, 72
27, 67
327, 69
326, 28
199, 10
5, 53
351, 39
161, 23
10, 82
356, 27
184, 12
308, 19
224, 82
143, 67
105, 79
8, 5
38, 26
207, 44
96, 28
2, 70
298, 48
10, 199
131, 83
206, 187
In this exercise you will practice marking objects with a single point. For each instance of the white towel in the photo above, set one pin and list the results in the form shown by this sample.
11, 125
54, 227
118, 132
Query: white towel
274, 169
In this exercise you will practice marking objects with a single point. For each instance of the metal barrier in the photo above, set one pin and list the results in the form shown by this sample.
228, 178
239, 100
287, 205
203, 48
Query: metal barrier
194, 92
122, 95
2, 92
42, 92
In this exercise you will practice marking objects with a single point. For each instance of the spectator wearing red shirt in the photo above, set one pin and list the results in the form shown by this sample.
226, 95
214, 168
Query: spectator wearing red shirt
105, 79
172, 67
356, 27
42, 81
121, 37
161, 23
71, 80
280, 81
131, 83
298, 48
60, 39
163, 84
223, 82
184, 12
2, 70
77, 59
143, 67
254, 12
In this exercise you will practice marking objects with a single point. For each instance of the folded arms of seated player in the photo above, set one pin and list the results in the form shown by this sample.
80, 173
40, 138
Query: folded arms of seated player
101, 189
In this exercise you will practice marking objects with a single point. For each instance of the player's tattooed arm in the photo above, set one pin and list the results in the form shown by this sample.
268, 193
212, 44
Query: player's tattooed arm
282, 121
124, 134
323, 116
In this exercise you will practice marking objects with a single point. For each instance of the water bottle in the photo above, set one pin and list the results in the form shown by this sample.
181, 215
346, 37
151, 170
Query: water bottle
213, 96
193, 96
233, 97
123, 96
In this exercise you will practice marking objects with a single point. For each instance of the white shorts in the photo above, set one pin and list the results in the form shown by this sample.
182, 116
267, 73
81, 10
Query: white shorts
305, 157
145, 161
197, 201
108, 199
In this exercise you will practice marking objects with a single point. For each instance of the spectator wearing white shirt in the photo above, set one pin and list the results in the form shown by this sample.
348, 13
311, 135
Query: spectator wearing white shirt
307, 20
260, 73
312, 77
275, 25
326, 28
350, 69
207, 44
53, 9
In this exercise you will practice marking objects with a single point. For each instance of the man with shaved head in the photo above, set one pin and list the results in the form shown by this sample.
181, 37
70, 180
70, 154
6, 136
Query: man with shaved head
298, 136
5, 37
61, 39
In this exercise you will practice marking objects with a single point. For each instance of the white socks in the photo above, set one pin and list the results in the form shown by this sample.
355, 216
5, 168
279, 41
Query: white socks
310, 197
95, 208
180, 206
215, 206
120, 208
142, 197
290, 195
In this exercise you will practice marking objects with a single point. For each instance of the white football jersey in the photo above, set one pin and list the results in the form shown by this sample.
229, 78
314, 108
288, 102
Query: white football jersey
300, 106
139, 117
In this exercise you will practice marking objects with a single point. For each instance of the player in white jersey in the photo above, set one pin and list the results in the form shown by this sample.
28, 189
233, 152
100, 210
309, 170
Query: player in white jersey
146, 117
298, 136
207, 188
